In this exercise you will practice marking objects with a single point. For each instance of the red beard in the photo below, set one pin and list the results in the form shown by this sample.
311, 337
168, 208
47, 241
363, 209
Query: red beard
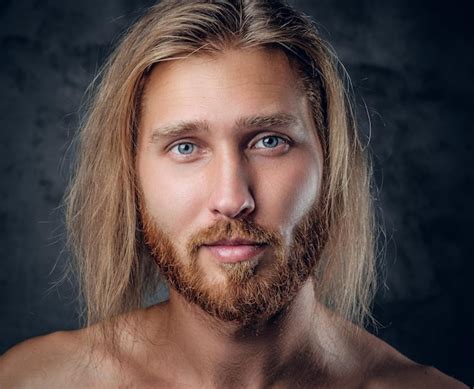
253, 292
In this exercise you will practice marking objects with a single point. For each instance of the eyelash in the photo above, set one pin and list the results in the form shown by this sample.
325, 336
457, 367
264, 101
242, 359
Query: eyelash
280, 138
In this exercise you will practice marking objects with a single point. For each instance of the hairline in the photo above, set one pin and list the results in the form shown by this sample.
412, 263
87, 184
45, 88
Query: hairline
213, 50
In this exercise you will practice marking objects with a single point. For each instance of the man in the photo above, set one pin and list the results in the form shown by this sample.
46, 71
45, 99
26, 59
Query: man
219, 148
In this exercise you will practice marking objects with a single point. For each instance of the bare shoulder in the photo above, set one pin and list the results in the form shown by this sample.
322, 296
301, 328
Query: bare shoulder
386, 368
74, 359
45, 361
393, 370
412, 375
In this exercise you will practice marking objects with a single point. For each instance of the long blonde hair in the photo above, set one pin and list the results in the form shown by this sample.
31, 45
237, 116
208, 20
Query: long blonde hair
101, 201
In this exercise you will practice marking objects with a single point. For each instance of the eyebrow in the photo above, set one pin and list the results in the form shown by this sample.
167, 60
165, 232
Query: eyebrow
266, 121
182, 128
179, 128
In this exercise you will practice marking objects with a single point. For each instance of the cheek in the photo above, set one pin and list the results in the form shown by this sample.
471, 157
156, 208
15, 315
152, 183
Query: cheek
292, 192
171, 198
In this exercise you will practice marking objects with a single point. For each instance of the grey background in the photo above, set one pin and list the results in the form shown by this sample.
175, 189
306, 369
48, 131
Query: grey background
410, 61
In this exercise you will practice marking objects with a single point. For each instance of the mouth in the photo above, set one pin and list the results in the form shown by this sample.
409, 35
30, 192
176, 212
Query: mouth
235, 250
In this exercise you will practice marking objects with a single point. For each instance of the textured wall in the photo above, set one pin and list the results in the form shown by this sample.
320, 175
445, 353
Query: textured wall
409, 61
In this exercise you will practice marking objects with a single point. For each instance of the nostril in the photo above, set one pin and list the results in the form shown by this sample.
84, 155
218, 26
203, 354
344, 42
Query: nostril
233, 207
246, 208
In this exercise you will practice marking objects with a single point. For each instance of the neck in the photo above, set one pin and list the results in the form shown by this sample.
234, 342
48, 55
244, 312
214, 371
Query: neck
225, 354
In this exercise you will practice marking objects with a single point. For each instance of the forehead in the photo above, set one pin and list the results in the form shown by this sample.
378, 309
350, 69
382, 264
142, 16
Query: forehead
221, 89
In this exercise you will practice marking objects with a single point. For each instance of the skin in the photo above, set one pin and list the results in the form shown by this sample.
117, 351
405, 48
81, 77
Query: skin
176, 344
228, 172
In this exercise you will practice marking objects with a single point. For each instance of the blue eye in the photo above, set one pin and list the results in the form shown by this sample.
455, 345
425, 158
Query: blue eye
185, 148
270, 142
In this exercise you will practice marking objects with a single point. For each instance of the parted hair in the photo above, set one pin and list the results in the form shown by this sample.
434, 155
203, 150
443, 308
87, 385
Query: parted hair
102, 216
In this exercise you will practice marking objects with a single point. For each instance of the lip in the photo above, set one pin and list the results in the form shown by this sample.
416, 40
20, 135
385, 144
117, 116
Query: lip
233, 252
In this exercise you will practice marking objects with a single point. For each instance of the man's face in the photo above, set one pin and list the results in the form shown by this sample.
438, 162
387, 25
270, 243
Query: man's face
229, 167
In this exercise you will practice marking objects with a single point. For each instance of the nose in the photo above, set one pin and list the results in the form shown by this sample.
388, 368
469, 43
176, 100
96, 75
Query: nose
231, 194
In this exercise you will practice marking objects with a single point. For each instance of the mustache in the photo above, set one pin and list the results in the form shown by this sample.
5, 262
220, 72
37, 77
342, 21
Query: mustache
234, 229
